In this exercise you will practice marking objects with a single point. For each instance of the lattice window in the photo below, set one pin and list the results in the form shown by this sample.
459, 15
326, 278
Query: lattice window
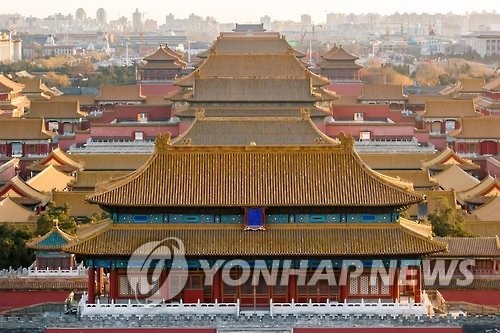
123, 286
353, 285
134, 284
364, 285
385, 285
155, 288
373, 285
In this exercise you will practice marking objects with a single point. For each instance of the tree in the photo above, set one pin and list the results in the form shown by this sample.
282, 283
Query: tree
46, 221
445, 79
13, 244
96, 217
448, 222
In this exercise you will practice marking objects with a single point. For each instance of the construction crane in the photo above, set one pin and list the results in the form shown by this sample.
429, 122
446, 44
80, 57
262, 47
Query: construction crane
310, 39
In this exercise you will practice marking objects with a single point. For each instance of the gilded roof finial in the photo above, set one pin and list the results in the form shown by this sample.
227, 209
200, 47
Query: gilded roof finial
305, 114
346, 141
199, 114
162, 142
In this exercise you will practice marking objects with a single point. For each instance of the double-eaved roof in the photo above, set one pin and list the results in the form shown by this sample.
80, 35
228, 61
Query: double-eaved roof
338, 58
164, 58
264, 70
248, 176
237, 43
284, 240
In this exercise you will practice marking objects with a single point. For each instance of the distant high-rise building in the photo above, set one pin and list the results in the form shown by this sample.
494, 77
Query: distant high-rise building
169, 21
137, 20
102, 16
80, 15
305, 19
10, 49
332, 19
266, 21
150, 25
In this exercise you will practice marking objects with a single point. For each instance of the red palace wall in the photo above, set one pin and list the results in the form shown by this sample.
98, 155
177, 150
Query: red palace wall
381, 330
150, 130
295, 330
396, 131
130, 330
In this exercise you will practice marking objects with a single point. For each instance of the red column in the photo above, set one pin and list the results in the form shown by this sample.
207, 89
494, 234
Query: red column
395, 284
343, 295
91, 285
164, 285
216, 286
100, 281
113, 284
418, 284
292, 287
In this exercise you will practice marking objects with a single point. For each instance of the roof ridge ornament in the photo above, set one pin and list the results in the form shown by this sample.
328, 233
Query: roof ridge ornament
305, 114
199, 114
346, 140
162, 143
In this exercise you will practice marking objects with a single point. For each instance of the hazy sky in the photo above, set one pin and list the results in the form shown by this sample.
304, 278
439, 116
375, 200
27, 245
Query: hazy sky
244, 11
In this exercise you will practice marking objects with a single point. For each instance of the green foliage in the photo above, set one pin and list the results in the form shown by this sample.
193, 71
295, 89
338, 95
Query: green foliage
404, 214
13, 247
448, 222
446, 79
96, 217
402, 69
46, 221
109, 75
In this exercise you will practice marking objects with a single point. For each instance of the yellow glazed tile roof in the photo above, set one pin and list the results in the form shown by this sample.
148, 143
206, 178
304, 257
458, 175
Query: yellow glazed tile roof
470, 247
50, 179
389, 239
244, 130
10, 211
56, 109
486, 127
449, 108
59, 159
245, 176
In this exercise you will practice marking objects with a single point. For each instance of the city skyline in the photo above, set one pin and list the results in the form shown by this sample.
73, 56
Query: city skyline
224, 11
